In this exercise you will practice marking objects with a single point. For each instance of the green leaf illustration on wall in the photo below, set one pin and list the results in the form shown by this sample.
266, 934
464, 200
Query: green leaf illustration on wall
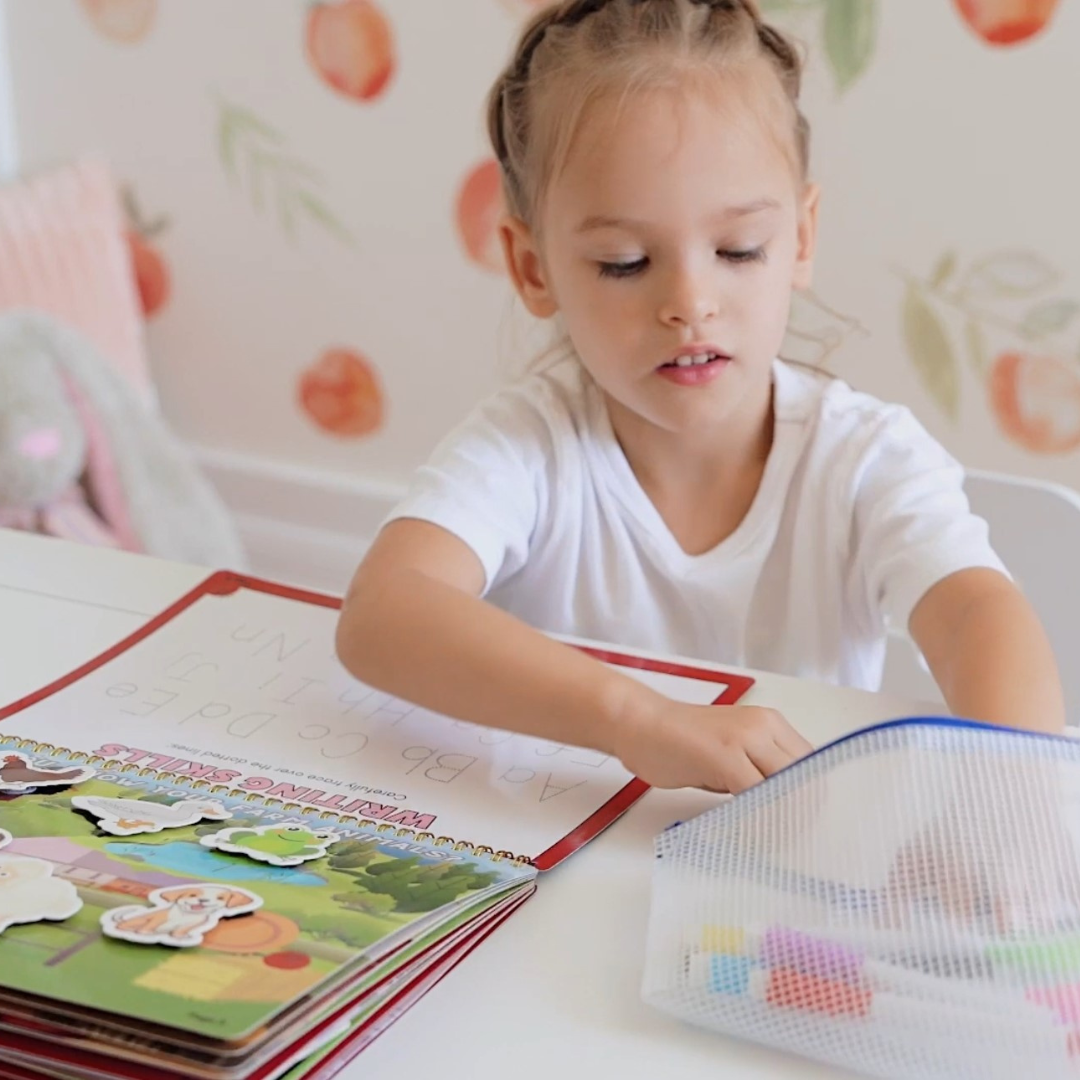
848, 30
1011, 273
255, 155
816, 330
946, 267
1049, 317
1018, 341
978, 350
931, 352
850, 34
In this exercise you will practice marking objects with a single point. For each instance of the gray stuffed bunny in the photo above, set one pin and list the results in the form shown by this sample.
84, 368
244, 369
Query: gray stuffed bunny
82, 456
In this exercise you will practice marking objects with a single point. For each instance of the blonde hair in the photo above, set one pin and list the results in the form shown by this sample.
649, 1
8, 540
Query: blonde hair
573, 52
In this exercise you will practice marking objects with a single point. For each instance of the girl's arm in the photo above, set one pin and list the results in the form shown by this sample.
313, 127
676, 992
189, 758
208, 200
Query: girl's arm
993, 662
414, 625
988, 651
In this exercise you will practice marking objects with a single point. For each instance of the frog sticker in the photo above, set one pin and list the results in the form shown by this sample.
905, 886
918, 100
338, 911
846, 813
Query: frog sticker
282, 844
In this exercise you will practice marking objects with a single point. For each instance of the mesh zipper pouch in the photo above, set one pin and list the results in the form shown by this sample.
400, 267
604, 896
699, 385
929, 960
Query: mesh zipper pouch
904, 902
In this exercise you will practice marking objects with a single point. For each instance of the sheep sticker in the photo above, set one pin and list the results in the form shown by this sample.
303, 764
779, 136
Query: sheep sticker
29, 893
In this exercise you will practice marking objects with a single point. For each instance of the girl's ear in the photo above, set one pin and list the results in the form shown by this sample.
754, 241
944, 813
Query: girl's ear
808, 225
526, 268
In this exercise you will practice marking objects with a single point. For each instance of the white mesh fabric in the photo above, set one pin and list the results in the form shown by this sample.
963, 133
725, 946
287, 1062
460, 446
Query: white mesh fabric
904, 902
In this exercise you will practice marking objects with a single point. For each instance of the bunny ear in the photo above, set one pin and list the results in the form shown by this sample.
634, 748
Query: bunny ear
141, 471
106, 491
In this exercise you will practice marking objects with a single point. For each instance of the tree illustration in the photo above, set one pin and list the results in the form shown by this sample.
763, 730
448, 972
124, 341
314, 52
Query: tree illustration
334, 928
352, 854
393, 871
368, 903
415, 887
208, 827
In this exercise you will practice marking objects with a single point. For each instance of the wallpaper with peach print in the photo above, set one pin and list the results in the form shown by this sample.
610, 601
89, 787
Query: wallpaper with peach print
311, 210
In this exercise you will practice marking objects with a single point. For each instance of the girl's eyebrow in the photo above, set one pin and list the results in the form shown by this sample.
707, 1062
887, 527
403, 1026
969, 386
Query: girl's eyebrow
603, 221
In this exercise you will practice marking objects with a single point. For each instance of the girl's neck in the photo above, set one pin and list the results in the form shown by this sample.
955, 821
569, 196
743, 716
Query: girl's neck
695, 459
701, 483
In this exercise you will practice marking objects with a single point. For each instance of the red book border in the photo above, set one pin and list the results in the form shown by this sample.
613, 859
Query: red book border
226, 582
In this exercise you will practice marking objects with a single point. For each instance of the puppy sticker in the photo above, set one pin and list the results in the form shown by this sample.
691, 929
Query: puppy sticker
180, 915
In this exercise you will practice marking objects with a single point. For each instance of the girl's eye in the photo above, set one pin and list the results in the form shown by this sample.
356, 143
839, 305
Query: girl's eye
622, 269
747, 255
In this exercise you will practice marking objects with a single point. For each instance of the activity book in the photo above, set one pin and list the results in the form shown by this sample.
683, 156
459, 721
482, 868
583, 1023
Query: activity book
223, 857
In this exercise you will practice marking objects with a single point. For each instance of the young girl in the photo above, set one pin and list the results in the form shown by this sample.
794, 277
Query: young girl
669, 484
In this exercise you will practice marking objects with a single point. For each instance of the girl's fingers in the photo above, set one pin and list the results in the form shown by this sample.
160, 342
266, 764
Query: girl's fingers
769, 757
791, 741
740, 773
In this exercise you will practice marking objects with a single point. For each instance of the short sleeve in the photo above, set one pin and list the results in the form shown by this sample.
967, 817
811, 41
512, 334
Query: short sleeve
912, 524
485, 484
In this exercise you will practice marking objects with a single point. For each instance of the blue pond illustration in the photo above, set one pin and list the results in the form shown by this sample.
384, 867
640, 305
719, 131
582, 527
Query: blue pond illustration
194, 860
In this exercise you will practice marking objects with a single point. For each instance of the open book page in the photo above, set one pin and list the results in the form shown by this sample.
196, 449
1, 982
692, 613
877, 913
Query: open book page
243, 691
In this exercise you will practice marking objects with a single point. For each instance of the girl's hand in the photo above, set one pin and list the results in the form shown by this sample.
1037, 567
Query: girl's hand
723, 748
1002, 857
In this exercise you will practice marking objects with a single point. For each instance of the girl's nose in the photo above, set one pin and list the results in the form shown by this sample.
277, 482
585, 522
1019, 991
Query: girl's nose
40, 444
690, 299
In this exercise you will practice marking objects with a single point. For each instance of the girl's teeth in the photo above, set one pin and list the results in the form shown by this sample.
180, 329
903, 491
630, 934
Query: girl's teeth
697, 358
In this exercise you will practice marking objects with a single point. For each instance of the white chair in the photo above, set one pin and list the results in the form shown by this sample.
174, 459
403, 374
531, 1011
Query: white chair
1035, 528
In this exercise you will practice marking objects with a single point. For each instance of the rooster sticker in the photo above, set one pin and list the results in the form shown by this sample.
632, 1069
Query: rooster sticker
19, 775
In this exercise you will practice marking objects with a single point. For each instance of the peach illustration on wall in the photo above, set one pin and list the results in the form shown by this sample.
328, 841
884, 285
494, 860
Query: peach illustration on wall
351, 46
256, 156
477, 209
152, 277
1006, 22
341, 394
126, 21
1013, 325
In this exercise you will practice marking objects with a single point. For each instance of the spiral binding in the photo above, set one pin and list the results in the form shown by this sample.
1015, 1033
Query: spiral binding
427, 839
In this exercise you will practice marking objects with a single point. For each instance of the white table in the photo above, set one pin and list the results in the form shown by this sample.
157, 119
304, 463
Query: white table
554, 992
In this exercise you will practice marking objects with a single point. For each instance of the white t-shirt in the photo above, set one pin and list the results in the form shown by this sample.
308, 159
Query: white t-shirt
858, 514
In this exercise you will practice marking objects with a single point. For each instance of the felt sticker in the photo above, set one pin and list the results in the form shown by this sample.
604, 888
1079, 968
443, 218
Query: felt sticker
29, 893
180, 915
280, 845
127, 817
18, 774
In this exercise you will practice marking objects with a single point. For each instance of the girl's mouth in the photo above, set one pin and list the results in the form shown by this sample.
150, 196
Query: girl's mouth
696, 359
694, 368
